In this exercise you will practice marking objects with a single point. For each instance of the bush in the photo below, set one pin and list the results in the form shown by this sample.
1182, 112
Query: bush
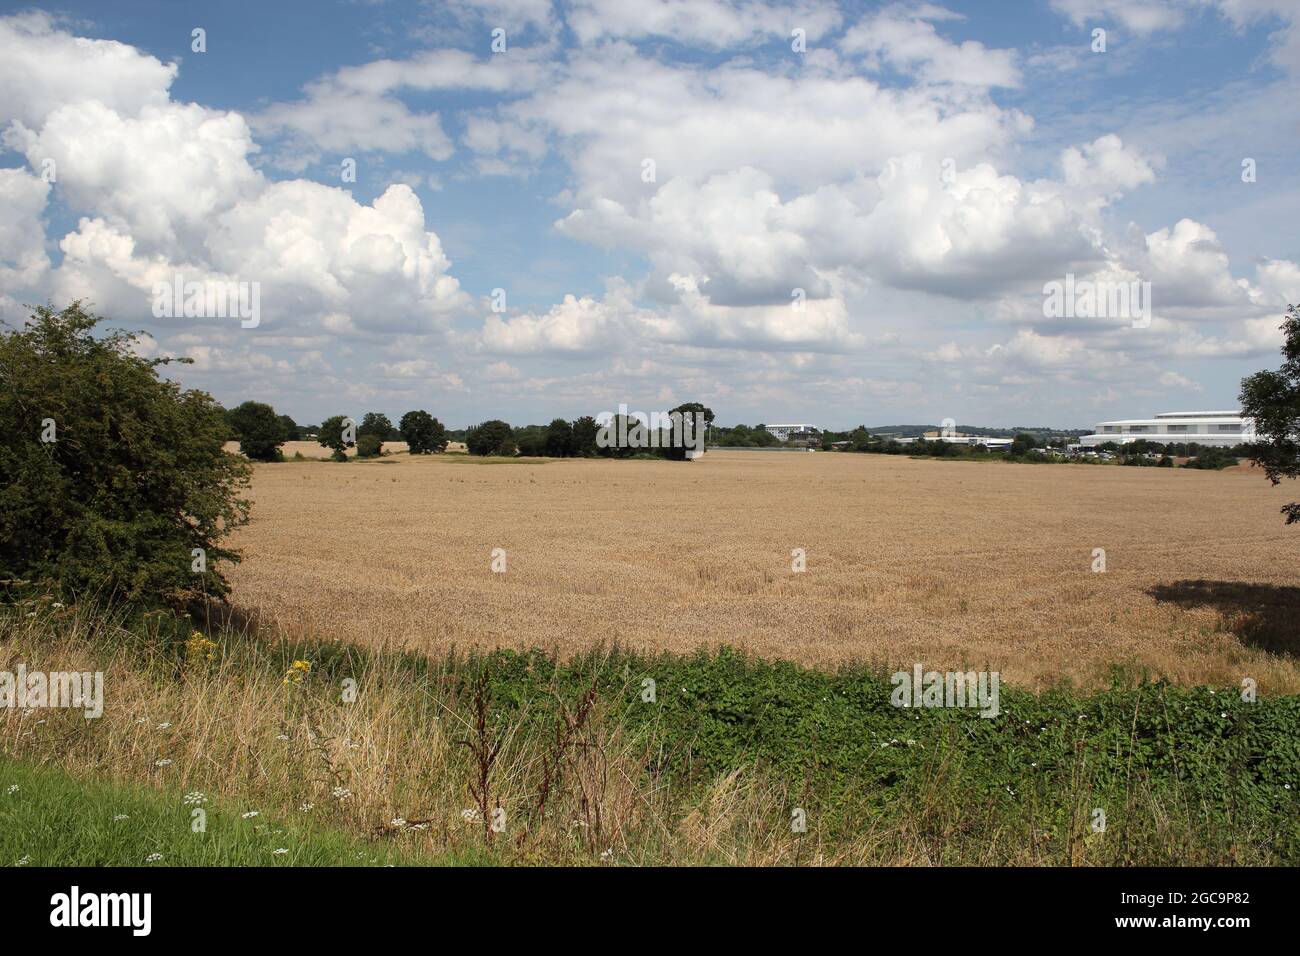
369, 445
260, 431
110, 477
493, 437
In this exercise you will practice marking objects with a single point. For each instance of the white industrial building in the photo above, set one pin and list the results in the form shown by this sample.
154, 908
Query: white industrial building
784, 432
1223, 429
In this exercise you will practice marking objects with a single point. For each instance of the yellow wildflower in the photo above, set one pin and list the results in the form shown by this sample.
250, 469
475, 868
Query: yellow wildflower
199, 648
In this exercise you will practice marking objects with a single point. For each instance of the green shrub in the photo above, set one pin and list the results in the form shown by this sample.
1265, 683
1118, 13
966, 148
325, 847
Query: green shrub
369, 445
112, 480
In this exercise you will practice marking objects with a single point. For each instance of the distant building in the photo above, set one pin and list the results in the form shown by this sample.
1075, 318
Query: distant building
783, 432
959, 440
1221, 429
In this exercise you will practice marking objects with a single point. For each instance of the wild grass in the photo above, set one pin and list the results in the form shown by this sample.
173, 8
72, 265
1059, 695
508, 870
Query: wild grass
518, 758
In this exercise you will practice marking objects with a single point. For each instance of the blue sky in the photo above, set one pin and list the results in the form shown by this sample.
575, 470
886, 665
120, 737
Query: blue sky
919, 171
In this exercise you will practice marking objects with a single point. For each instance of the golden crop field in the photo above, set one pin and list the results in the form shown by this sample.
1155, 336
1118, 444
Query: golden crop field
946, 563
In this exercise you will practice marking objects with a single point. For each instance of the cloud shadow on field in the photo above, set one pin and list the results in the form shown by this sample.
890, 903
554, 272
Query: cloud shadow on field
1264, 616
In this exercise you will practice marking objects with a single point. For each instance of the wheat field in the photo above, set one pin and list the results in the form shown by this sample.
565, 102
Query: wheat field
946, 563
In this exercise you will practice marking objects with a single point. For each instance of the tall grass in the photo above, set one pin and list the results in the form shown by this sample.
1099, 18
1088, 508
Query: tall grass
520, 758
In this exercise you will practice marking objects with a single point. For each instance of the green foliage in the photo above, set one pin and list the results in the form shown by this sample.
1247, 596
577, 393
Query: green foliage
369, 445
334, 434
1272, 399
377, 424
133, 477
559, 439
1212, 459
423, 433
260, 430
493, 437
292, 430
585, 430
1022, 443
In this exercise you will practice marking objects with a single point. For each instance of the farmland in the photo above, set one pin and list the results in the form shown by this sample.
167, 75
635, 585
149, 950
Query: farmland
987, 565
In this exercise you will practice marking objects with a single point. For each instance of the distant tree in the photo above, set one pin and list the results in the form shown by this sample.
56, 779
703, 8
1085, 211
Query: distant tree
1272, 399
559, 439
111, 478
292, 430
1022, 443
259, 430
493, 437
377, 424
584, 436
695, 407
423, 433
334, 434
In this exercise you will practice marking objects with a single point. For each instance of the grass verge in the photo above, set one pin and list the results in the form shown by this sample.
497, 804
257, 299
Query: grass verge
612, 757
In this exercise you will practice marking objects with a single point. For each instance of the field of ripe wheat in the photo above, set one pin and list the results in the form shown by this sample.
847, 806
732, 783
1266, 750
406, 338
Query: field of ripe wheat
947, 563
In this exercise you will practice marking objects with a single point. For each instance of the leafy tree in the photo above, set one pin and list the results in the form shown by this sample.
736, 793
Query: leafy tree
532, 444
110, 477
695, 407
493, 437
1022, 443
559, 439
259, 430
423, 433
334, 433
377, 424
1272, 399
584, 436
291, 428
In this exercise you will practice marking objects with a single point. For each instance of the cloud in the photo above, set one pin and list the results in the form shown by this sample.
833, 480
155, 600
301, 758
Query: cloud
903, 39
167, 188
710, 23
23, 262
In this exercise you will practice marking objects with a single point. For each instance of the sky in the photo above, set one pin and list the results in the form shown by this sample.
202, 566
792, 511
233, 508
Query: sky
837, 213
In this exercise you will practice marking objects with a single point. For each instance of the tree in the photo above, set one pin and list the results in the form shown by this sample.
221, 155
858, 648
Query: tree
423, 433
259, 430
113, 482
1272, 399
291, 428
585, 430
559, 439
1022, 443
338, 433
377, 424
493, 437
